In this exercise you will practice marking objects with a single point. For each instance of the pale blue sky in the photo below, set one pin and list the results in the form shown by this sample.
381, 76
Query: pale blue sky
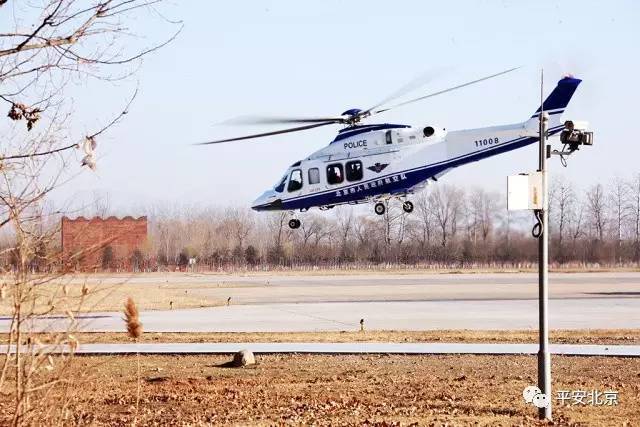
309, 58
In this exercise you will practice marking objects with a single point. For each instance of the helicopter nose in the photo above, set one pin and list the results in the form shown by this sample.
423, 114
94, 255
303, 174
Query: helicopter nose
267, 201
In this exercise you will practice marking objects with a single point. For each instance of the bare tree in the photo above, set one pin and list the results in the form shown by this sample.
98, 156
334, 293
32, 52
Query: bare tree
597, 210
101, 204
240, 223
425, 219
597, 215
446, 202
277, 223
634, 213
562, 208
314, 228
48, 46
619, 205
345, 226
393, 223
368, 236
576, 225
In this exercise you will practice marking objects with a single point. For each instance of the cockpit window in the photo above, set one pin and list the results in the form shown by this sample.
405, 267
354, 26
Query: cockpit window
335, 173
280, 187
295, 180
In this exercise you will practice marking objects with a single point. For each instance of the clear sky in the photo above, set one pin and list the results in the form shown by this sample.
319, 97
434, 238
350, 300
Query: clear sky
321, 58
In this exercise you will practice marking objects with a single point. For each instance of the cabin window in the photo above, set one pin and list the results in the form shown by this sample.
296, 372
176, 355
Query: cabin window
314, 176
335, 173
387, 137
280, 187
354, 170
295, 180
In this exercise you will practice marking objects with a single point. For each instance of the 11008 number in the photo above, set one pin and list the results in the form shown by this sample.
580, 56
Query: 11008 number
485, 142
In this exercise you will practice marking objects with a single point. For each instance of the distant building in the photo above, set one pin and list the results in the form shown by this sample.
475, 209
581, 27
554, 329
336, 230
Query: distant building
104, 244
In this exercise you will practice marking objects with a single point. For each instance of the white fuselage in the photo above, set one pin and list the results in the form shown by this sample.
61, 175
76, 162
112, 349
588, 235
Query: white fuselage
387, 157
371, 161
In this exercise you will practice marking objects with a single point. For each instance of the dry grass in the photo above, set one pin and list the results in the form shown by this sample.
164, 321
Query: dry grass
111, 297
593, 336
343, 390
132, 319
392, 269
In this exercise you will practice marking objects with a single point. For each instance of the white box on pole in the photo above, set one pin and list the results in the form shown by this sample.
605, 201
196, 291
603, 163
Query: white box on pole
525, 192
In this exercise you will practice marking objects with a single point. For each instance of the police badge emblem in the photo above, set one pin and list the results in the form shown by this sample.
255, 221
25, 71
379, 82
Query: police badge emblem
378, 167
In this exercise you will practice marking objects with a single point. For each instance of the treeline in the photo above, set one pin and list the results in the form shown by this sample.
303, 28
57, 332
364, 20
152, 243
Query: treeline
450, 227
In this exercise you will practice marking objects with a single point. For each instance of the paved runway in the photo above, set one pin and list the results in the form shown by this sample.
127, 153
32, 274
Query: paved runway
377, 287
416, 316
384, 301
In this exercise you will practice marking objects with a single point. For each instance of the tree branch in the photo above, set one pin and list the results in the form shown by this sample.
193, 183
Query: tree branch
42, 153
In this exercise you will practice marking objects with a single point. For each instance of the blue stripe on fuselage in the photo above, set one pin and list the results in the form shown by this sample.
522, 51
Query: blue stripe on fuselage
401, 181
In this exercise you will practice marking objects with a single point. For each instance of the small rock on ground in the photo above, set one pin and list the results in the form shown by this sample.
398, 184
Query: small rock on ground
243, 358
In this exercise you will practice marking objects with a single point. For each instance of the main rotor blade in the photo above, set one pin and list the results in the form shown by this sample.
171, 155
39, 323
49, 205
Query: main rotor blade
257, 120
417, 82
440, 92
261, 135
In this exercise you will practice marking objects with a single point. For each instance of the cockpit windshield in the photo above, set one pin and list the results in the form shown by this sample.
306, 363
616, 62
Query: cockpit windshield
280, 186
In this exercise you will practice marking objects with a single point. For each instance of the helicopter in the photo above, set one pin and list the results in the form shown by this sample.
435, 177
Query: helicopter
373, 163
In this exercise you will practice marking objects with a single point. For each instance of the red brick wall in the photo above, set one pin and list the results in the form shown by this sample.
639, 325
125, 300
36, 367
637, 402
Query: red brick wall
84, 240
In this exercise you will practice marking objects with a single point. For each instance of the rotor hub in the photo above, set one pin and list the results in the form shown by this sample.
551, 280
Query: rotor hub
353, 116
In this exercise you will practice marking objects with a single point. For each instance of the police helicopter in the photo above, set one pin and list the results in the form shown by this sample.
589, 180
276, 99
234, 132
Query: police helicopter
377, 162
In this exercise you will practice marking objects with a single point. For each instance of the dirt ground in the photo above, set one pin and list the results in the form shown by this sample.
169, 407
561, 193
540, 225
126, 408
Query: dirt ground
341, 390
111, 297
593, 336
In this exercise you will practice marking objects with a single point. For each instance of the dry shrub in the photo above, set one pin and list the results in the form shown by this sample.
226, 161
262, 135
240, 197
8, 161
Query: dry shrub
132, 319
134, 329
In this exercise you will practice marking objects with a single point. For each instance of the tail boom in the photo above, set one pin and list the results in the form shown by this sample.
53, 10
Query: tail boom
475, 144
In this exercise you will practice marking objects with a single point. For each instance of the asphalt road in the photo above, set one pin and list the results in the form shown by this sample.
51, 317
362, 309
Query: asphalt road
385, 287
384, 301
345, 348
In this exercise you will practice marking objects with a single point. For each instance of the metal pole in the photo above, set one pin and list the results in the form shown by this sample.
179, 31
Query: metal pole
544, 357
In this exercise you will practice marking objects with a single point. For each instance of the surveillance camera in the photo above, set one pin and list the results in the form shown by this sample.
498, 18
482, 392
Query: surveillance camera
575, 134
576, 125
